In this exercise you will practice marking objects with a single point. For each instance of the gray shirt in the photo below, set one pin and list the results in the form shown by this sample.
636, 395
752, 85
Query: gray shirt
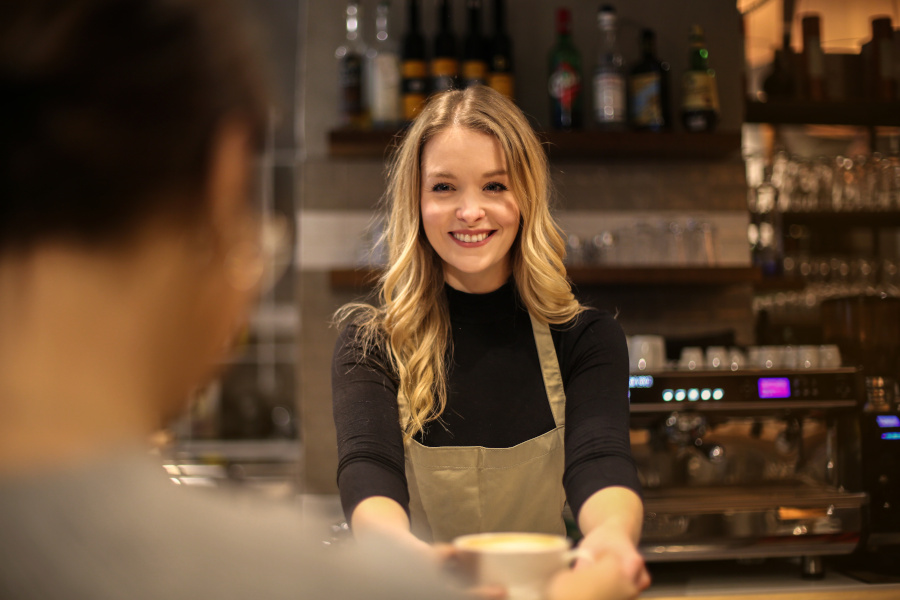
122, 530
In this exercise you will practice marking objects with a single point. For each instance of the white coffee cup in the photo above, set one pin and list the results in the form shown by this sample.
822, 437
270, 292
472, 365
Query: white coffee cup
647, 353
691, 358
829, 356
808, 357
522, 563
717, 358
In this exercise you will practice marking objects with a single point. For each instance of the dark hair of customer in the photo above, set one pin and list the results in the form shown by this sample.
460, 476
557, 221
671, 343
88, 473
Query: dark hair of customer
108, 109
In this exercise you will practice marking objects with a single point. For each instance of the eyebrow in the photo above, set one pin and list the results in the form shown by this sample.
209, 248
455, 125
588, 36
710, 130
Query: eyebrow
443, 175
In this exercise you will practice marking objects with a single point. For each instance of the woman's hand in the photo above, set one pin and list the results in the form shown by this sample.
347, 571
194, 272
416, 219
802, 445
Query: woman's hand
616, 546
601, 579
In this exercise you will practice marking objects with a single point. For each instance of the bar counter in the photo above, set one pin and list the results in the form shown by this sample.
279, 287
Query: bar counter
769, 580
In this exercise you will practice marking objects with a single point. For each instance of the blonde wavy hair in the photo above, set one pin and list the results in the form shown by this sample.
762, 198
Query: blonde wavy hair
412, 321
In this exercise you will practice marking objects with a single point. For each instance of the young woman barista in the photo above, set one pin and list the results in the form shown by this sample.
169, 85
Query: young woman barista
479, 395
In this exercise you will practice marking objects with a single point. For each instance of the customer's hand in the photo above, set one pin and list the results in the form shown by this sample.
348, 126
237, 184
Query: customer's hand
602, 544
601, 579
448, 557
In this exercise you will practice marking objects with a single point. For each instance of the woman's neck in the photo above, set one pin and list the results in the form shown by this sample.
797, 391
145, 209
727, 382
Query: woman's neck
477, 283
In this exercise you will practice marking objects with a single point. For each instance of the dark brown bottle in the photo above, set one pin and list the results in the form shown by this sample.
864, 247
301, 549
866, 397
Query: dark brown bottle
813, 60
474, 63
444, 61
648, 88
414, 69
500, 67
883, 85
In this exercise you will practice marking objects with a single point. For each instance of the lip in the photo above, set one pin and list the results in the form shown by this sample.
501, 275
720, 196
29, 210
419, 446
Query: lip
490, 233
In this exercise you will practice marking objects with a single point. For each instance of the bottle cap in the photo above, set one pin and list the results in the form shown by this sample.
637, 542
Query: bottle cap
811, 25
606, 16
881, 27
563, 20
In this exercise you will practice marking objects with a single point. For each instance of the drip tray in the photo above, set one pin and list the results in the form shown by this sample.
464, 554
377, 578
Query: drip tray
741, 522
719, 499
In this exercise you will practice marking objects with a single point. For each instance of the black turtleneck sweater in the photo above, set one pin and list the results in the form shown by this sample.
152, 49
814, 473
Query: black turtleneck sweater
496, 399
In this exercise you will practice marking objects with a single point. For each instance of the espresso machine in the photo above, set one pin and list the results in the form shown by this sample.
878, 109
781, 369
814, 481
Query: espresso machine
749, 463
867, 328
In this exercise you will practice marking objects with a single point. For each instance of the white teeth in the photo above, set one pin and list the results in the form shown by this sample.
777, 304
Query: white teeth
464, 237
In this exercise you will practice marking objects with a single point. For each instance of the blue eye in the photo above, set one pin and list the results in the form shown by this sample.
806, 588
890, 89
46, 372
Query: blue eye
495, 187
440, 187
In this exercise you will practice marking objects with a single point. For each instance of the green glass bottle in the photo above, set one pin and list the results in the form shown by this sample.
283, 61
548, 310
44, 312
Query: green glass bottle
700, 97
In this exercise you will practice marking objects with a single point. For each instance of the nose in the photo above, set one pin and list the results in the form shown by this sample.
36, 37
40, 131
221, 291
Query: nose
469, 210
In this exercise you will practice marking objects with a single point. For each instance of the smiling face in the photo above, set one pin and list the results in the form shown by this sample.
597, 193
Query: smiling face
469, 213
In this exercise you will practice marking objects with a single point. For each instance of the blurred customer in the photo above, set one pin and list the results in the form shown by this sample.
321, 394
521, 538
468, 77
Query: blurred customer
129, 256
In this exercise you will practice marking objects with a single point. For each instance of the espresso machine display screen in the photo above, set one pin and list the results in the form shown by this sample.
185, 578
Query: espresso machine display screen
710, 390
774, 387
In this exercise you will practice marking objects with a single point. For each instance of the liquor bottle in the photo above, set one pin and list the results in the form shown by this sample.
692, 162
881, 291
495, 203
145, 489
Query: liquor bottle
474, 65
609, 80
413, 67
700, 97
383, 72
565, 76
500, 68
351, 55
813, 60
882, 85
444, 63
648, 88
780, 84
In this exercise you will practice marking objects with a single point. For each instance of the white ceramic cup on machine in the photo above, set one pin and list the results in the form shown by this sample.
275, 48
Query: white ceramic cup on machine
522, 563
691, 358
647, 353
829, 356
717, 358
808, 357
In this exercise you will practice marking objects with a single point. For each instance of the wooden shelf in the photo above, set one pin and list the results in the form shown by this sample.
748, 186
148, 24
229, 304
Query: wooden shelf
858, 113
571, 145
778, 284
594, 276
707, 276
843, 219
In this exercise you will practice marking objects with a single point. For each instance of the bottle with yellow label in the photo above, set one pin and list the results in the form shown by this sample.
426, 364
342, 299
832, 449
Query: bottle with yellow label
700, 96
500, 75
414, 69
474, 65
444, 62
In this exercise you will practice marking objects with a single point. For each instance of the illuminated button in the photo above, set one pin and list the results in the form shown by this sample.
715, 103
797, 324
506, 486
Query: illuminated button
705, 394
718, 394
679, 395
667, 395
693, 394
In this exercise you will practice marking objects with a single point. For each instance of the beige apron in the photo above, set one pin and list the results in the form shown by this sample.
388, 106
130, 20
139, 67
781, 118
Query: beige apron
456, 490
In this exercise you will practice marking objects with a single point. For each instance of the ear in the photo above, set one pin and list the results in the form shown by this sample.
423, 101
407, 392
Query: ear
228, 176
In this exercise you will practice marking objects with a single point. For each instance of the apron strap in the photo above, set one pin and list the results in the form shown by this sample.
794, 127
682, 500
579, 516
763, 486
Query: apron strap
550, 369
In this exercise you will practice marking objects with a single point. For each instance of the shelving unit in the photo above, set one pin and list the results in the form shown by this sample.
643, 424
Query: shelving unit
596, 276
570, 145
857, 113
843, 219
